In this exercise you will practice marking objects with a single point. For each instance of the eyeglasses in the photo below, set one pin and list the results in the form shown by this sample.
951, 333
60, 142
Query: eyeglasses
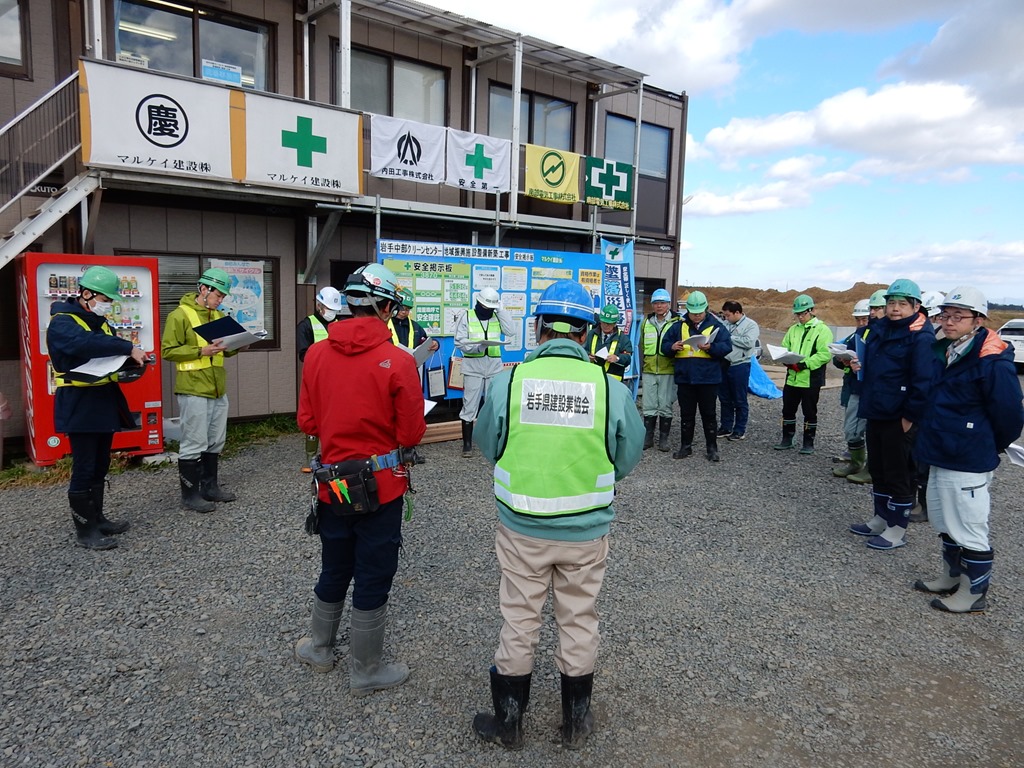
947, 318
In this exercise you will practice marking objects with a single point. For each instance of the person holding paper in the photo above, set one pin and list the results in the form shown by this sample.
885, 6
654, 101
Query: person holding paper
476, 336
854, 427
733, 391
699, 343
808, 337
405, 331
201, 389
659, 387
608, 345
973, 413
898, 363
360, 395
89, 410
311, 330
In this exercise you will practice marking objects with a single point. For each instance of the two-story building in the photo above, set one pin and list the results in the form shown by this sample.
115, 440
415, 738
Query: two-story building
392, 58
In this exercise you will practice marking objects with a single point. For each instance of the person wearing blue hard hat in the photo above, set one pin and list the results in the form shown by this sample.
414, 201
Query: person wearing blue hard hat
658, 371
559, 432
898, 375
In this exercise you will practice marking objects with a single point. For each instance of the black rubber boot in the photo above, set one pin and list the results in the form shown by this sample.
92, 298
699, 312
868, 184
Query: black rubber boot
664, 427
189, 475
467, 439
685, 440
788, 433
107, 527
510, 695
208, 485
650, 422
577, 720
83, 514
810, 428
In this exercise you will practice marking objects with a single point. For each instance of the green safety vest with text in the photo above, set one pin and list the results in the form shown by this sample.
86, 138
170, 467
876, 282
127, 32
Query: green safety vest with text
557, 406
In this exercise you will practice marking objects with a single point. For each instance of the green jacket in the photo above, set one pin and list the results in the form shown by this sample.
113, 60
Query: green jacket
810, 339
181, 345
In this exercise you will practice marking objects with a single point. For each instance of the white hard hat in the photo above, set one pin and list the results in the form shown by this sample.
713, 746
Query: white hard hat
861, 308
932, 300
965, 297
329, 297
489, 298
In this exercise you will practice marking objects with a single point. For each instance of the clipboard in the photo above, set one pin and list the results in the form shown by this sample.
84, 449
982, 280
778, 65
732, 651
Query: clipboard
229, 332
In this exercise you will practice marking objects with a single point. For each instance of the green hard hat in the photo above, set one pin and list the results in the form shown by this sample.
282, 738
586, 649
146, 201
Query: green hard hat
101, 280
696, 302
904, 289
802, 303
406, 298
610, 314
216, 278
877, 299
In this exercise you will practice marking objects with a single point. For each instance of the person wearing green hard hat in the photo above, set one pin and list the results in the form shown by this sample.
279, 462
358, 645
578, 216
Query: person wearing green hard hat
658, 371
89, 410
699, 344
809, 338
608, 345
200, 385
405, 331
849, 396
898, 371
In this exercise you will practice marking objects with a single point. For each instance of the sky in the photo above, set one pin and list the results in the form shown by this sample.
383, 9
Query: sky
829, 141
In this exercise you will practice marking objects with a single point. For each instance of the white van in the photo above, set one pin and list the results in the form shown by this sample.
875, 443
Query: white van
1013, 333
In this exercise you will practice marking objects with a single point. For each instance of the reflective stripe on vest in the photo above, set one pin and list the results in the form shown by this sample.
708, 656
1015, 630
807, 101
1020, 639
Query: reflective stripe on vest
202, 362
477, 332
557, 406
108, 379
394, 334
691, 351
319, 329
611, 351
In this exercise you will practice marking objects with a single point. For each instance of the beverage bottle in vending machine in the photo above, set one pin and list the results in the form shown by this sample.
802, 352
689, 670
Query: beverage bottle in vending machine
53, 283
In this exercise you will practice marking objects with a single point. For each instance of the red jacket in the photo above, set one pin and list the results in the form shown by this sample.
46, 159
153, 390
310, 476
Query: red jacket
361, 396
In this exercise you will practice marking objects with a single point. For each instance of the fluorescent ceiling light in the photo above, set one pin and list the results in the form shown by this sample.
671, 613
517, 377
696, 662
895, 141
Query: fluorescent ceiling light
185, 8
140, 29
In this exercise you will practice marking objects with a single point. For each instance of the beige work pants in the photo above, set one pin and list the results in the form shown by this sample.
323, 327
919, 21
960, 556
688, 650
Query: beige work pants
574, 571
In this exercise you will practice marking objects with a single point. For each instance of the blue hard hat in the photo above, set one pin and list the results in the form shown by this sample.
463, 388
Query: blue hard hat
660, 295
904, 288
566, 298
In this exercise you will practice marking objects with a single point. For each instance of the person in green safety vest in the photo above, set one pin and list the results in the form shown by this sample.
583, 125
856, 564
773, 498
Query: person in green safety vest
405, 331
608, 345
560, 432
659, 391
311, 330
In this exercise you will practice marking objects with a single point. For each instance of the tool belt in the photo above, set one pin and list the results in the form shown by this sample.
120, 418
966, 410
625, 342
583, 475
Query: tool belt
351, 486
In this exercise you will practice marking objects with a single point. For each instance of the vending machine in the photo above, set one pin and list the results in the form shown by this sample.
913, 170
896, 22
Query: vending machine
44, 278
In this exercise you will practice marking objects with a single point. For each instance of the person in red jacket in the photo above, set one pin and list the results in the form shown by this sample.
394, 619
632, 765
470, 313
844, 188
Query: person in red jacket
361, 397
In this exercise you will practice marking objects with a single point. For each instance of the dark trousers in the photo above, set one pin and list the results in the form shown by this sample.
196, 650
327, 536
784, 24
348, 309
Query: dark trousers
363, 548
732, 393
90, 459
889, 462
698, 396
805, 398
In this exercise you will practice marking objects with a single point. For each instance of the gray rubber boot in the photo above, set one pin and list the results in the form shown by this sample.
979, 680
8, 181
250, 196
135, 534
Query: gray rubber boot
949, 581
366, 645
975, 572
190, 476
317, 650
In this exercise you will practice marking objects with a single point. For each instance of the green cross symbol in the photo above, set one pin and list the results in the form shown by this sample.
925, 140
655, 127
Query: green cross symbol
304, 141
479, 162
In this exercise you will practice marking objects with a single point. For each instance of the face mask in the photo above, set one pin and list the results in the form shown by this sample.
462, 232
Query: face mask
329, 314
102, 308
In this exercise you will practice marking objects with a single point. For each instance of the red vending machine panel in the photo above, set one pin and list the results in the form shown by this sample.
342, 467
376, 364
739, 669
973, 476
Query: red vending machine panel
44, 278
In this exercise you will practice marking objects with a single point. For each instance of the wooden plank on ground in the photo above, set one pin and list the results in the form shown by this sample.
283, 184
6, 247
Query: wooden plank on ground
443, 431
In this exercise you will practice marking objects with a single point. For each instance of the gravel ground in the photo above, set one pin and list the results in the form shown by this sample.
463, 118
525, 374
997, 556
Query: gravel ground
742, 626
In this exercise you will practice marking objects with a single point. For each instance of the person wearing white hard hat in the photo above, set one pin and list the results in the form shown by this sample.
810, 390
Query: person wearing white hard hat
658, 377
486, 322
311, 330
849, 398
972, 414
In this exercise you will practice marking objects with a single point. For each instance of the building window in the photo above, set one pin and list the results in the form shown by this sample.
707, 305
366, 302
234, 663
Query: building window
386, 85
180, 38
543, 120
14, 50
652, 192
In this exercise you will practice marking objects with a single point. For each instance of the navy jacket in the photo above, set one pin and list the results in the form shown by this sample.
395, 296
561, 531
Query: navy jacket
898, 368
975, 407
698, 370
851, 384
85, 409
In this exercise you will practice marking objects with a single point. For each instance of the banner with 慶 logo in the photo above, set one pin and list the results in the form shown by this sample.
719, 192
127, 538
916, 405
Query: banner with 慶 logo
478, 163
136, 121
406, 150
552, 174
619, 288
608, 183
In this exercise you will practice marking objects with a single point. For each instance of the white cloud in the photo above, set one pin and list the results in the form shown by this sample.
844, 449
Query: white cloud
789, 192
764, 17
795, 167
990, 267
695, 150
